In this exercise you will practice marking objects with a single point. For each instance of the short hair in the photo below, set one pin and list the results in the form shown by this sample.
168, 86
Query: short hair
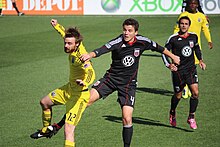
184, 17
133, 22
74, 32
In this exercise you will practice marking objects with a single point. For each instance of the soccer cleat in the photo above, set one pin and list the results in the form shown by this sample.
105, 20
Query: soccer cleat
51, 130
192, 123
20, 14
173, 120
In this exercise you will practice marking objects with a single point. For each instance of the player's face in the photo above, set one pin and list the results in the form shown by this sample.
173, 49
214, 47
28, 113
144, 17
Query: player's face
184, 25
70, 44
129, 33
193, 4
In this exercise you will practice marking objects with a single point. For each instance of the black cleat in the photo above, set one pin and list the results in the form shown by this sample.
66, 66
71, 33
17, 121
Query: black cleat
51, 130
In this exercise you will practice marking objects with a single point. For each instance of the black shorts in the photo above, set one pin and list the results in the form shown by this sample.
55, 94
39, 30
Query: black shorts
183, 77
126, 92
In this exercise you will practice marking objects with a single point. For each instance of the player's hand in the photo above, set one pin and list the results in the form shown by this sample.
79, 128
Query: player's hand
53, 22
202, 65
80, 82
173, 67
210, 45
176, 59
85, 57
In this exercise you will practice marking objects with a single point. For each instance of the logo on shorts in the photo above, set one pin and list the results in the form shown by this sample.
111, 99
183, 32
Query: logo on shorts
97, 83
177, 88
186, 51
128, 61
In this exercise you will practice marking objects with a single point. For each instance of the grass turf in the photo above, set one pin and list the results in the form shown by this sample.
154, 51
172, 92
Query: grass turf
32, 63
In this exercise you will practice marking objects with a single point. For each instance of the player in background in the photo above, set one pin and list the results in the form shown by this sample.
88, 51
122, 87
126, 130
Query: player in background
75, 94
184, 44
14, 6
185, 7
126, 50
198, 23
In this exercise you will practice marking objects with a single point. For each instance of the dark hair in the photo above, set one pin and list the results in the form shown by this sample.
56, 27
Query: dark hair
133, 22
73, 32
184, 17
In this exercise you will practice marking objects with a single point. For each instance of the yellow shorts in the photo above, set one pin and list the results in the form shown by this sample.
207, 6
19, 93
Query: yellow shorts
75, 101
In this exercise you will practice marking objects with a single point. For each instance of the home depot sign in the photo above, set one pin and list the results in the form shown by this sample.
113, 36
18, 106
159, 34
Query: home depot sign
46, 7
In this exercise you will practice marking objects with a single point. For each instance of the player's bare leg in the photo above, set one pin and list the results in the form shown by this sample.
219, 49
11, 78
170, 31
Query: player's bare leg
94, 96
69, 135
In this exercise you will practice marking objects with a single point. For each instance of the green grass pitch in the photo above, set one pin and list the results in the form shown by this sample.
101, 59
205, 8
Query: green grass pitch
32, 63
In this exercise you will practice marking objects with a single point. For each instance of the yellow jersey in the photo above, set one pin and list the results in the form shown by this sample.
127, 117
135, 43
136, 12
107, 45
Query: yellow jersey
78, 69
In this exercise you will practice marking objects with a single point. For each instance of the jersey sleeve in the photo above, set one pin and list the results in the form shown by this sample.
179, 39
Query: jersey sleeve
89, 74
165, 58
60, 29
197, 50
205, 29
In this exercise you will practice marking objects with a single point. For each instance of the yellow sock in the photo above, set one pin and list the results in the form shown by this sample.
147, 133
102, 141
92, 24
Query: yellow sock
46, 117
69, 143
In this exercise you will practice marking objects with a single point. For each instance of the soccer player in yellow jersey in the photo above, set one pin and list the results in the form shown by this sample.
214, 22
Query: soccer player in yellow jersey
198, 23
75, 94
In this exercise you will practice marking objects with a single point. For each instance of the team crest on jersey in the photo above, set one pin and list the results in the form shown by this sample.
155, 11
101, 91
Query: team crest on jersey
136, 52
191, 44
199, 19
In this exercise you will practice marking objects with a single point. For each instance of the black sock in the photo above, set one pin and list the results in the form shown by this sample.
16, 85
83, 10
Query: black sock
127, 135
193, 104
62, 121
15, 6
0, 11
174, 103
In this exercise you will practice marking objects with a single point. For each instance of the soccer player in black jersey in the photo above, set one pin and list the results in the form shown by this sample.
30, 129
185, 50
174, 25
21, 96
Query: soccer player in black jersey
126, 50
184, 44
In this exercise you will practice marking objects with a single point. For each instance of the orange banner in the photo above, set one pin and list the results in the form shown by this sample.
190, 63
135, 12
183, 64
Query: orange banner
46, 7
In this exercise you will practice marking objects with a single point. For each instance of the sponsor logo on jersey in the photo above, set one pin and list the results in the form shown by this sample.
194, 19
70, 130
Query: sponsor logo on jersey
128, 61
179, 38
136, 52
186, 51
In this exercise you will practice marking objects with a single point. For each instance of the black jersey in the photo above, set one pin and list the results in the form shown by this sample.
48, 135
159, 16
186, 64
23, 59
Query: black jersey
184, 47
125, 56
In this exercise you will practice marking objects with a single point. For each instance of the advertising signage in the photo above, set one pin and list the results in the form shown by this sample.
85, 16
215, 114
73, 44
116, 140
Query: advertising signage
105, 7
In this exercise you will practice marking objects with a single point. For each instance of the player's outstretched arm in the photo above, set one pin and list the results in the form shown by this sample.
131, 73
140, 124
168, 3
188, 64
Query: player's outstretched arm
87, 57
58, 27
176, 59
